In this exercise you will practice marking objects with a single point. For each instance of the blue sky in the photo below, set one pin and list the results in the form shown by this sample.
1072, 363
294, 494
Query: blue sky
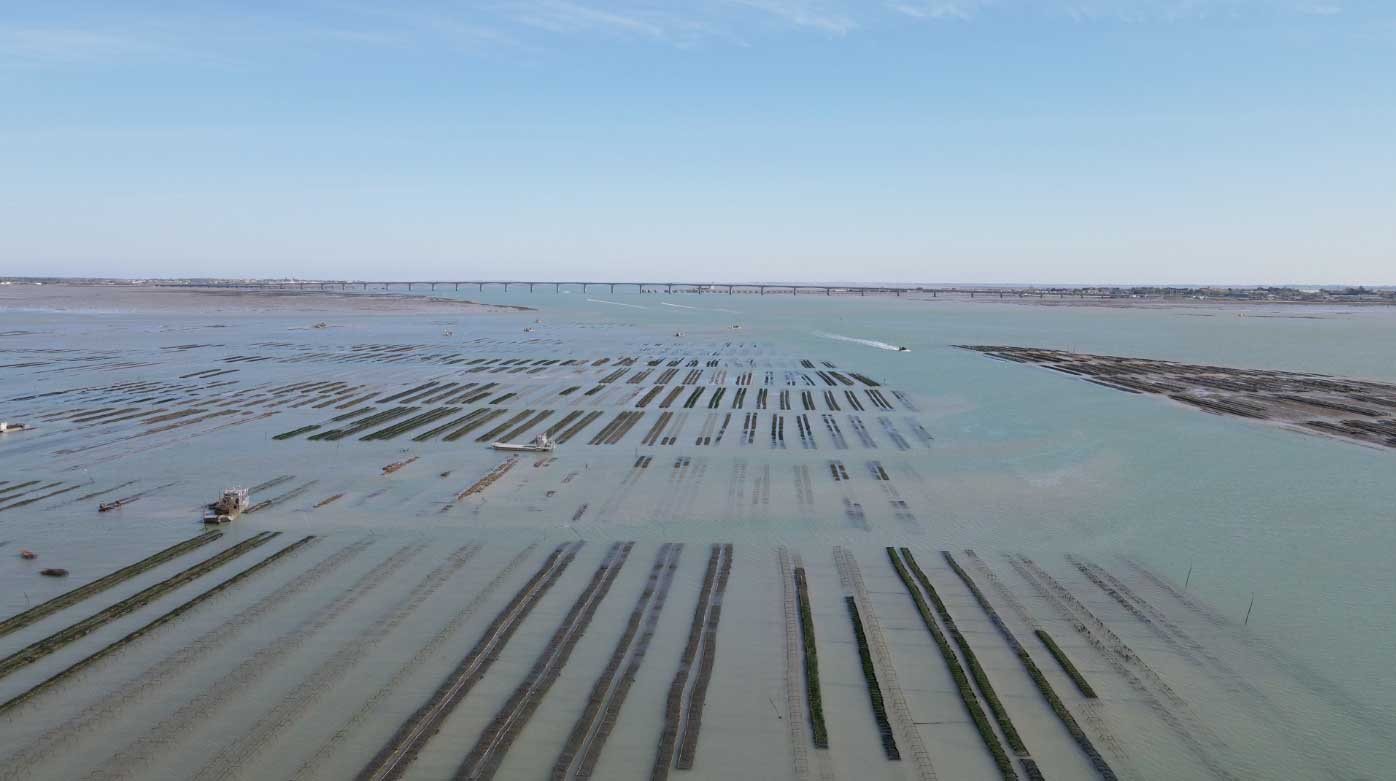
1227, 141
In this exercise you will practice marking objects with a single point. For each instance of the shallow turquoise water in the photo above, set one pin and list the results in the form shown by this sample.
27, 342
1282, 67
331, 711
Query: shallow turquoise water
1023, 459
1029, 460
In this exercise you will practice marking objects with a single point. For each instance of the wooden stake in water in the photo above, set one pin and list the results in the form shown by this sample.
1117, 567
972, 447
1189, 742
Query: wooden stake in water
1248, 611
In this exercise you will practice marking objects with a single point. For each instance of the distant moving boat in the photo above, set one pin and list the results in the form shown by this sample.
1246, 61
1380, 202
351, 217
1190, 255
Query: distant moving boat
903, 349
540, 444
6, 428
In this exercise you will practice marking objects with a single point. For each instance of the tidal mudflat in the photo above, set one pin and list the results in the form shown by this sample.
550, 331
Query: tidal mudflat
768, 544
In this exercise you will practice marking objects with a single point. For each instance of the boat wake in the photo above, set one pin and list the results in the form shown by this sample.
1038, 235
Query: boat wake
699, 308
616, 303
854, 340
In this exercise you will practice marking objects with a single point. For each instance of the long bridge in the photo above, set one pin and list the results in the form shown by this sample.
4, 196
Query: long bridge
667, 287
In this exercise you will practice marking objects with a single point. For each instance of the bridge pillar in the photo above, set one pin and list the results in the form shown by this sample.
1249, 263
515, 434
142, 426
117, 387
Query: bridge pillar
457, 287
530, 287
669, 289
557, 287
761, 289
899, 292
584, 287
862, 291
506, 287
613, 287
794, 290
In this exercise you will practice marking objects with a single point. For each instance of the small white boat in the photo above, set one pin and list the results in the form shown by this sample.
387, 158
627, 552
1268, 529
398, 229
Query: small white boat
540, 444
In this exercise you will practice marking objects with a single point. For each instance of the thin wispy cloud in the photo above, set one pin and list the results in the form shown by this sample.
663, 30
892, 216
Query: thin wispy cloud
220, 32
1119, 10
565, 17
939, 9
834, 18
71, 45
624, 20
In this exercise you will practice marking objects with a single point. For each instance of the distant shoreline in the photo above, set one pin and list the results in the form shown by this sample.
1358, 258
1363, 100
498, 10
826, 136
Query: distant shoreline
134, 299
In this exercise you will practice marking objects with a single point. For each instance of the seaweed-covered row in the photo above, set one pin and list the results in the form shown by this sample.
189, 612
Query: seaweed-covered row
577, 427
295, 432
1047, 640
884, 728
334, 435
527, 425
413, 422
1011, 736
812, 691
469, 424
957, 672
1066, 664
1010, 733
1043, 686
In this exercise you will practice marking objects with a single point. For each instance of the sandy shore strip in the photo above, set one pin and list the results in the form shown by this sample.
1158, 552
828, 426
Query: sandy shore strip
194, 300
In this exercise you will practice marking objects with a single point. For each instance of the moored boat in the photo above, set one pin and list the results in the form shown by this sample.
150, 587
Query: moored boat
105, 507
540, 444
228, 507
